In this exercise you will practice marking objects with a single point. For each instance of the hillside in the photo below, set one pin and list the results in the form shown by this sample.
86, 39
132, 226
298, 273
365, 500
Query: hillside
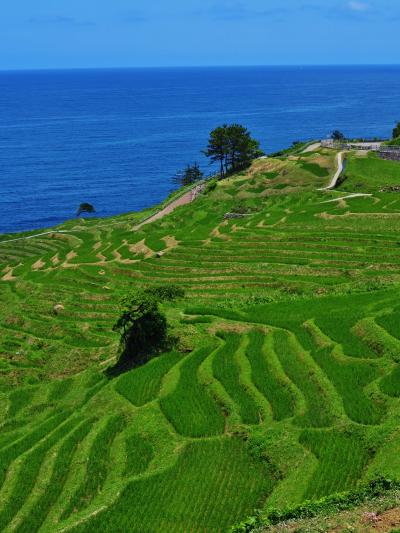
285, 385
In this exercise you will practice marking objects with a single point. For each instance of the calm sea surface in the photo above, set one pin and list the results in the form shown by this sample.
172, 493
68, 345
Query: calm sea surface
115, 138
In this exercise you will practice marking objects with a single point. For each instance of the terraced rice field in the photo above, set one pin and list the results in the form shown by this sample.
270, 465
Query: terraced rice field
285, 384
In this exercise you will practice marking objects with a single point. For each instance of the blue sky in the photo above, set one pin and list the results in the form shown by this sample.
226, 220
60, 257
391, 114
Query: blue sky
117, 33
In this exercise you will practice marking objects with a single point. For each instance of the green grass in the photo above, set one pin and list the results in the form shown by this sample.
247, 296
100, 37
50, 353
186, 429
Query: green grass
370, 174
315, 169
393, 142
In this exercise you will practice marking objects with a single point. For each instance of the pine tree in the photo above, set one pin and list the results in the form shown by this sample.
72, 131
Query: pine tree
189, 175
232, 147
218, 148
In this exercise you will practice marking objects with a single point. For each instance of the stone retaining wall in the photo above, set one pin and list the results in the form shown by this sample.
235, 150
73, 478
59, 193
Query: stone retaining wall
390, 156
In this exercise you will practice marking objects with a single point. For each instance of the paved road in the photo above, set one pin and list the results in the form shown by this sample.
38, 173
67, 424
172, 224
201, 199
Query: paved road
335, 178
311, 148
187, 198
355, 195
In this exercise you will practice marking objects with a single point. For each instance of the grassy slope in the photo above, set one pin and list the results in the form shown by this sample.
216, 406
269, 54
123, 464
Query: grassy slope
369, 174
393, 142
291, 313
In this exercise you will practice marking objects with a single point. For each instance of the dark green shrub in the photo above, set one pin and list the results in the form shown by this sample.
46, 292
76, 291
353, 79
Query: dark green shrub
211, 186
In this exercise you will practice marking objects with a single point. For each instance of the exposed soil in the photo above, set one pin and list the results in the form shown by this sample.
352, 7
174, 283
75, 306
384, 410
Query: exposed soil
170, 242
70, 255
360, 520
141, 248
38, 265
372, 522
8, 276
387, 521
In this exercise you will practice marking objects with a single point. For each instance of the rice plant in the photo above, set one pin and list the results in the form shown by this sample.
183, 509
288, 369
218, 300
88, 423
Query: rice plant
302, 257
18, 447
304, 376
60, 389
339, 330
19, 400
390, 384
267, 379
142, 384
139, 453
342, 458
29, 470
189, 407
227, 371
97, 466
213, 484
61, 469
391, 323
350, 378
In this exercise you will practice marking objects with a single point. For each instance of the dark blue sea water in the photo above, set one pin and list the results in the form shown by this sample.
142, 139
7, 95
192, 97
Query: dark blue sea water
114, 138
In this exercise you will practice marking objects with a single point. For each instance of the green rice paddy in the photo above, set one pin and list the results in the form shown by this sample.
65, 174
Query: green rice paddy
285, 383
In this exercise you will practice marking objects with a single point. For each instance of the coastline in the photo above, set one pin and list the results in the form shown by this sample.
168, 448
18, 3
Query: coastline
157, 211
89, 149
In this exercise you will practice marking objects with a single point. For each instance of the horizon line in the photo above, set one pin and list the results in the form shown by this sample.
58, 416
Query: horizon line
165, 67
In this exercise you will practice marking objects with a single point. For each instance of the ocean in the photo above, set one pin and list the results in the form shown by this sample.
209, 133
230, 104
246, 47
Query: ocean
115, 138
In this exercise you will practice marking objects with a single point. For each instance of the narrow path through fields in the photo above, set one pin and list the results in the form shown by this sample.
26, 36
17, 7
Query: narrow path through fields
354, 195
187, 198
312, 147
33, 236
335, 178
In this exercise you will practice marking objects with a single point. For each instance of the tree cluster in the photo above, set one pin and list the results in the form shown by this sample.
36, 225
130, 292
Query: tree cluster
142, 324
396, 131
338, 136
190, 175
232, 147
